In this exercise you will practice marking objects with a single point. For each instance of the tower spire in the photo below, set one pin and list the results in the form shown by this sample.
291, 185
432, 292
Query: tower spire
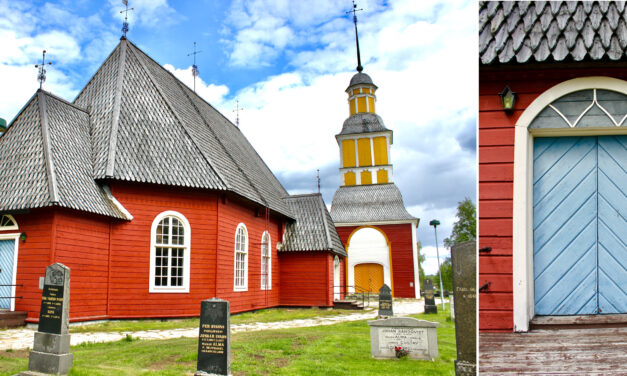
194, 67
41, 76
125, 23
354, 12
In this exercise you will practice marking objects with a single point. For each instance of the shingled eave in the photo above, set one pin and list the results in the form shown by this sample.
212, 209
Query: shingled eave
53, 192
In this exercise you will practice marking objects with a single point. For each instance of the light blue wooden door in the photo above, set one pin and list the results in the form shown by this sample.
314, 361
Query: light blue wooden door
612, 225
7, 247
579, 225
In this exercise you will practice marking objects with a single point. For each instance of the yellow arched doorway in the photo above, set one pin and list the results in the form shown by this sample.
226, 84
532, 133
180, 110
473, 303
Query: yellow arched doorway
368, 277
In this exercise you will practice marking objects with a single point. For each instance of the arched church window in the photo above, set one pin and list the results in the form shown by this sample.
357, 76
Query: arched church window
266, 262
170, 253
241, 258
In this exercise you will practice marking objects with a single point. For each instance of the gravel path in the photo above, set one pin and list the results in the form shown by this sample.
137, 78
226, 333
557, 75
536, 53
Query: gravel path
23, 338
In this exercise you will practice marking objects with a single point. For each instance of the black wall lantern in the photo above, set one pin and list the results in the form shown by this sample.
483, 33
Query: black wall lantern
23, 237
508, 99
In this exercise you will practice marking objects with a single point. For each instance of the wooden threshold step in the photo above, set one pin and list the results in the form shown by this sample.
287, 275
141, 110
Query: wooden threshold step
555, 322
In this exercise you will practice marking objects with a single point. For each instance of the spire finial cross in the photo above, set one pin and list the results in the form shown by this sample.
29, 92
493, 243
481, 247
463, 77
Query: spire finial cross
125, 23
237, 110
41, 76
354, 12
195, 71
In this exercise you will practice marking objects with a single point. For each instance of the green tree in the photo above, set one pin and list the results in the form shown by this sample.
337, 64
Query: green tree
466, 226
421, 271
447, 276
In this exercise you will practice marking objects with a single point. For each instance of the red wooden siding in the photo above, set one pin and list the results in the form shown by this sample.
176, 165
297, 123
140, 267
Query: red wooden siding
33, 257
496, 167
400, 238
231, 213
82, 244
306, 279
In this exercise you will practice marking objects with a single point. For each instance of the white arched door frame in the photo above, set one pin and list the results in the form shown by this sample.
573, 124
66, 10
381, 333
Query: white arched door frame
522, 235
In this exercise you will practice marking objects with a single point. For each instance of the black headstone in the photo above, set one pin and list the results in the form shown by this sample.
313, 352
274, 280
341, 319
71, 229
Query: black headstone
214, 340
53, 315
430, 306
464, 265
385, 301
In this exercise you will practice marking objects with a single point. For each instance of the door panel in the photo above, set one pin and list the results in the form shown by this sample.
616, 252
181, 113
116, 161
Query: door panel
7, 247
612, 225
368, 277
565, 225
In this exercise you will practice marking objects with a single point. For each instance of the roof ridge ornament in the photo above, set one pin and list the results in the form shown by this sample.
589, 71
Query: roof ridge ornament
195, 71
354, 11
237, 110
41, 75
125, 23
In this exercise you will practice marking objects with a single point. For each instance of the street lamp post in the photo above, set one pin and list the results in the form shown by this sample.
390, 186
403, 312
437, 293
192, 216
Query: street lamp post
435, 224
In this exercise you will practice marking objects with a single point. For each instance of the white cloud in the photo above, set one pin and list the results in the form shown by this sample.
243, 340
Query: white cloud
430, 265
149, 13
213, 94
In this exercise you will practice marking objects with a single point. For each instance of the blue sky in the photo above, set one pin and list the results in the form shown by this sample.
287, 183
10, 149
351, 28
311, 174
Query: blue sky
288, 63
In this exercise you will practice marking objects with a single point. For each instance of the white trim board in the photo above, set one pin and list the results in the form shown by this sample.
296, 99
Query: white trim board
522, 234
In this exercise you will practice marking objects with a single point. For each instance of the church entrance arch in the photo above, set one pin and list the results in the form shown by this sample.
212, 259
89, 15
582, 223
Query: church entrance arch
369, 261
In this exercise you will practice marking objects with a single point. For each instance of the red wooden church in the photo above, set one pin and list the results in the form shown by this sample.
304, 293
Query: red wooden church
552, 157
155, 201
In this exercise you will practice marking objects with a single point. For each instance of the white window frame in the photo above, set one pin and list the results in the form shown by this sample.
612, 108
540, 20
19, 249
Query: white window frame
14, 226
268, 285
522, 236
186, 253
244, 285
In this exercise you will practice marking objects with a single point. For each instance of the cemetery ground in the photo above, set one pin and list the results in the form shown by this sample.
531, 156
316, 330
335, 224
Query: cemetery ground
338, 349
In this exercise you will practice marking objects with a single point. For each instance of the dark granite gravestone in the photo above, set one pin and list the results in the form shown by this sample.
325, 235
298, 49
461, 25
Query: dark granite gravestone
214, 339
51, 347
385, 301
464, 265
430, 306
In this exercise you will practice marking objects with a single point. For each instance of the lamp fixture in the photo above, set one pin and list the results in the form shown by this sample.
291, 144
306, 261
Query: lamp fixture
23, 237
508, 99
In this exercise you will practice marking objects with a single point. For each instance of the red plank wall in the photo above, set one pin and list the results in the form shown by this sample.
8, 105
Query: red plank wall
33, 257
306, 279
231, 213
400, 238
496, 171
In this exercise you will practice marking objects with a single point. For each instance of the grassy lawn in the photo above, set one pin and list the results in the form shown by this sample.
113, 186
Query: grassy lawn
340, 349
263, 315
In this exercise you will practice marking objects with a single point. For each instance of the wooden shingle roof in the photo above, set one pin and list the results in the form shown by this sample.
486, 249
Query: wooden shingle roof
133, 121
552, 31
313, 229
369, 203
150, 127
46, 160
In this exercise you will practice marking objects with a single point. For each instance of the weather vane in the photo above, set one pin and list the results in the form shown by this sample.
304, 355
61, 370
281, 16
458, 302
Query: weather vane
125, 23
194, 67
237, 110
354, 12
41, 76
318, 178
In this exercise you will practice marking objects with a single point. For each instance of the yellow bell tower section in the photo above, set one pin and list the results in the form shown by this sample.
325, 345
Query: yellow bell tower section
364, 141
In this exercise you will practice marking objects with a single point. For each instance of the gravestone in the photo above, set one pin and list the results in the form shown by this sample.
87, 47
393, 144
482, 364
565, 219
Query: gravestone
418, 337
51, 346
385, 301
430, 306
214, 339
464, 266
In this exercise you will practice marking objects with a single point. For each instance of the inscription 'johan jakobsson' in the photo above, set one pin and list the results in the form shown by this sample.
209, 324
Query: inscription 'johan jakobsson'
212, 339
